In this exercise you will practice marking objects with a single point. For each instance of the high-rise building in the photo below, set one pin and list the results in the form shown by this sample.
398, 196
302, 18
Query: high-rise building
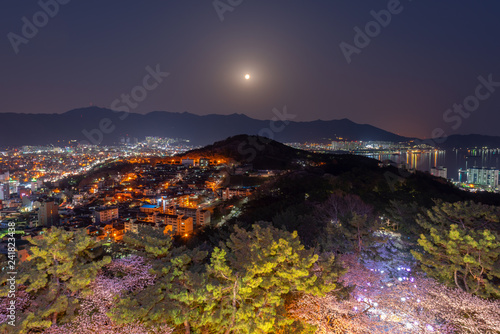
462, 175
483, 176
48, 213
4, 191
14, 186
440, 172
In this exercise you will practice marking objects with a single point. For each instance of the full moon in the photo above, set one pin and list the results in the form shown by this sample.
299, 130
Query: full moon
247, 76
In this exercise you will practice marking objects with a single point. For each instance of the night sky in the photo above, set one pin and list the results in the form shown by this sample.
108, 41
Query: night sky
426, 59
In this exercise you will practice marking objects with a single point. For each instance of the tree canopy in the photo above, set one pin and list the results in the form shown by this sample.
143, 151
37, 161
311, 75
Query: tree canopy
459, 249
60, 268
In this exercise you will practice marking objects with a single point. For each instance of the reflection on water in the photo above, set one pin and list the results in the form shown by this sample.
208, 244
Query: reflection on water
453, 160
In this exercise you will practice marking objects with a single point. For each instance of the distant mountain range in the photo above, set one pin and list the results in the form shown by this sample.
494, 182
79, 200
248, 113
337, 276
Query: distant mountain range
103, 126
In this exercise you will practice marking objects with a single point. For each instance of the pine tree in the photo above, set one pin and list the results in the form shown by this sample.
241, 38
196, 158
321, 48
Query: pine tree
242, 290
467, 214
149, 242
175, 297
250, 277
403, 217
468, 259
60, 268
459, 250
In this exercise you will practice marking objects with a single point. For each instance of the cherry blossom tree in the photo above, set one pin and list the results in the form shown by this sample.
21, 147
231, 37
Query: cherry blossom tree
408, 304
120, 276
22, 301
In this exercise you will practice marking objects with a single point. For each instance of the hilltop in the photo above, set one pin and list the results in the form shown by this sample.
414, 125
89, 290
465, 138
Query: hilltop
260, 152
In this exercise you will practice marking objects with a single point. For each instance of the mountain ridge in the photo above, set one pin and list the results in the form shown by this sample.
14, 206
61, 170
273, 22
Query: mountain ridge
104, 126
98, 125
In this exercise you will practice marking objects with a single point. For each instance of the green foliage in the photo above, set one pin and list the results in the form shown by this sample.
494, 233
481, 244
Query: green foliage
60, 268
468, 215
458, 250
176, 296
359, 231
150, 242
404, 215
250, 277
242, 289
354, 234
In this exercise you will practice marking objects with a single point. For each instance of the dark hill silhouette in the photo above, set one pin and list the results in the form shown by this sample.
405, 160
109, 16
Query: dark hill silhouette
44, 129
200, 130
260, 152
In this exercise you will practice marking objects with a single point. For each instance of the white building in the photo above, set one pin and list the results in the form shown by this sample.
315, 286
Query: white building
440, 172
483, 176
4, 191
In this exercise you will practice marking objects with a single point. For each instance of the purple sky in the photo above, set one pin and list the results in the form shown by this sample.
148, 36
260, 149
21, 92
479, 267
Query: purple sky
426, 59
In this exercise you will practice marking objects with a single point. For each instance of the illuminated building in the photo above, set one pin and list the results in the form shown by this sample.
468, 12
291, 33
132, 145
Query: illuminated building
204, 162
48, 213
229, 193
4, 191
185, 225
200, 217
131, 225
177, 224
483, 176
114, 231
149, 208
14, 186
